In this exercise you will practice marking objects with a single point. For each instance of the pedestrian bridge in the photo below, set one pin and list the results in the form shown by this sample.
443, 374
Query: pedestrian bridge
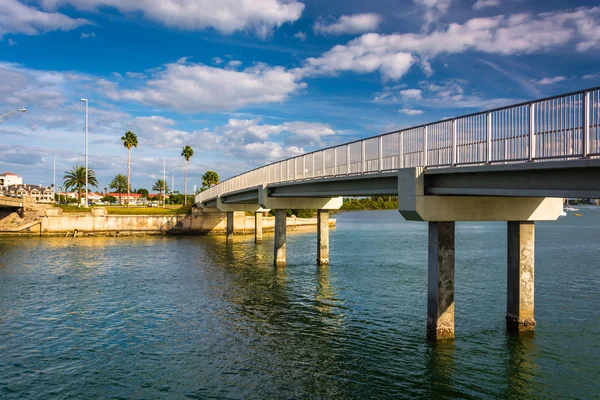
512, 164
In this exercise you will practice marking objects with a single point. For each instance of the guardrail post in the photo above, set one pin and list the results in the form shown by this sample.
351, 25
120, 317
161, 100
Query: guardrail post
453, 155
380, 161
424, 146
586, 124
303, 166
347, 159
362, 157
313, 166
322, 164
531, 131
400, 150
335, 161
488, 137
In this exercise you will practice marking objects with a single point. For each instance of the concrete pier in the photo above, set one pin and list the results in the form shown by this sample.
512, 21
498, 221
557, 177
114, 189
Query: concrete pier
323, 237
520, 276
258, 231
440, 294
229, 230
280, 238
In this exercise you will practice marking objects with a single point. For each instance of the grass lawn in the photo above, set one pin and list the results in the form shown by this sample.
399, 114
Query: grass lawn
133, 210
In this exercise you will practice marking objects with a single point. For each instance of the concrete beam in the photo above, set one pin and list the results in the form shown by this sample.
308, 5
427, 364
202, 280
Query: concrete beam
372, 184
520, 276
415, 205
302, 203
571, 178
238, 207
246, 196
440, 277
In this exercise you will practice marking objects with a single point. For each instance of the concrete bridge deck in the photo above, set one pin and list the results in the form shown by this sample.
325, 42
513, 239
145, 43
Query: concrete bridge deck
511, 164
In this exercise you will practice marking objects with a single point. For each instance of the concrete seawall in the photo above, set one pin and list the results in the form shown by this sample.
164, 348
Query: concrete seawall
55, 222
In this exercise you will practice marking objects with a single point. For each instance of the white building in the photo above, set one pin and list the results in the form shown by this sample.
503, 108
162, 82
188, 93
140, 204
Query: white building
9, 179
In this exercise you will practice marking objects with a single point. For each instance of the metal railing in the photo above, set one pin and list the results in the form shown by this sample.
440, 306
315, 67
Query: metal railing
553, 128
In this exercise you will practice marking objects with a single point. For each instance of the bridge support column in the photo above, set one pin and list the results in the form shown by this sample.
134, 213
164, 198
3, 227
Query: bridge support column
280, 238
229, 229
520, 276
323, 237
258, 231
440, 293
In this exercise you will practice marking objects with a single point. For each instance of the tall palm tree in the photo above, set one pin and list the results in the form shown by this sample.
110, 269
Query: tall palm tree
209, 179
160, 186
187, 153
75, 179
129, 140
119, 183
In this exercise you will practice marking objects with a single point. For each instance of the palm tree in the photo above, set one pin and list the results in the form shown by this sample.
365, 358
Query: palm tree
119, 183
75, 179
209, 179
187, 153
129, 140
160, 186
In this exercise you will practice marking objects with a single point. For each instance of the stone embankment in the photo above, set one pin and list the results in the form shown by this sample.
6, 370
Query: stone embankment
53, 222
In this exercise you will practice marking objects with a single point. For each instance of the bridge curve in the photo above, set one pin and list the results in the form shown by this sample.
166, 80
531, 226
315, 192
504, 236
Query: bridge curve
559, 128
512, 164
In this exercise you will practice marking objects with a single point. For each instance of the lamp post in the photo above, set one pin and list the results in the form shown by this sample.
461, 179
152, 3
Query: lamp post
86, 153
7, 115
164, 180
54, 186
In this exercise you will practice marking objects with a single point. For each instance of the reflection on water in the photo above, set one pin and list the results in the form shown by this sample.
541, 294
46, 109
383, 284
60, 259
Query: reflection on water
157, 317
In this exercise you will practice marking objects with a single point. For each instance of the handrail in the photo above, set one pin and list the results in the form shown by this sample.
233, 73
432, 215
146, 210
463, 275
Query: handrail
556, 127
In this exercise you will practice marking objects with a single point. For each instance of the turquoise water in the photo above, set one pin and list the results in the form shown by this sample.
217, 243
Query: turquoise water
165, 317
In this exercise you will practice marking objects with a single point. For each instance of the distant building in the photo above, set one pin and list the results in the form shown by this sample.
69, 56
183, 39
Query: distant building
9, 179
38, 193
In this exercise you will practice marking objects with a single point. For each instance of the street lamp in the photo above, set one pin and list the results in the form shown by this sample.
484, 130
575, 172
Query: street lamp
164, 180
87, 202
7, 115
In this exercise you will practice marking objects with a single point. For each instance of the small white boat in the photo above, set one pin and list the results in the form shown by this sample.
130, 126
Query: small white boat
571, 208
563, 214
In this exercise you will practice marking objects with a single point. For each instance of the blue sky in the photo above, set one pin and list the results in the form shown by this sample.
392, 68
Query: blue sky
246, 82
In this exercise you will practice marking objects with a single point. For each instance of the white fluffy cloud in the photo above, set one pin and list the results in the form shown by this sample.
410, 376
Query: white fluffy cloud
226, 16
192, 88
410, 112
550, 81
411, 94
393, 55
450, 93
255, 141
16, 17
348, 24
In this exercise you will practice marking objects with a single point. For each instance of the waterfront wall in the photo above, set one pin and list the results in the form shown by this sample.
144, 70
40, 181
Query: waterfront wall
54, 222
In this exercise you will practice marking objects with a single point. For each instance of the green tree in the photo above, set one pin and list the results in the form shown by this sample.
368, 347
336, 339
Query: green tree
143, 192
109, 199
119, 183
75, 179
129, 140
187, 152
209, 179
160, 186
